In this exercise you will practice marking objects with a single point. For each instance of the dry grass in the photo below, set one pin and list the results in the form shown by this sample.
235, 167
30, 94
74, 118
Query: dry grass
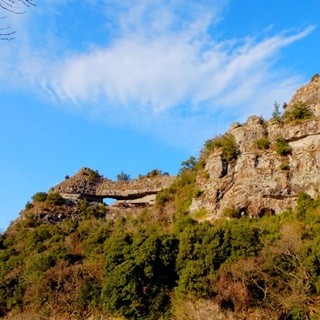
198, 309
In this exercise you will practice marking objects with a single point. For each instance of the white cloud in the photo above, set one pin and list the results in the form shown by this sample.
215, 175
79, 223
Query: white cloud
162, 68
171, 70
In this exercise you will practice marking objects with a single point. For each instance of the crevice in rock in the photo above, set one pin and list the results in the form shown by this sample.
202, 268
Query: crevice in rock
265, 212
243, 212
256, 160
293, 139
279, 197
224, 170
219, 195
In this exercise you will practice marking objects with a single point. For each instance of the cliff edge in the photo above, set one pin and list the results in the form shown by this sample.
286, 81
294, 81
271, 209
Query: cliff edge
260, 167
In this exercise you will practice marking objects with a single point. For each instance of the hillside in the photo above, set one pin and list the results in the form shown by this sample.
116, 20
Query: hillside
234, 236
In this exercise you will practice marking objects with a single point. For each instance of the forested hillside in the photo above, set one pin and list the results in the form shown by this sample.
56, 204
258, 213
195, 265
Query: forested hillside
236, 235
158, 265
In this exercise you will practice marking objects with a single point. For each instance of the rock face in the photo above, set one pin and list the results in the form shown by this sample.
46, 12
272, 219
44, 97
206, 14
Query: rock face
309, 94
260, 180
88, 184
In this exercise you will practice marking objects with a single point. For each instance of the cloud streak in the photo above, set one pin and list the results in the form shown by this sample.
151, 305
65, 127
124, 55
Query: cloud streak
162, 66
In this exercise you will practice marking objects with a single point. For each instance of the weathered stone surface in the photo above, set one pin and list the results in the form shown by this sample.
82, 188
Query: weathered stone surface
90, 185
261, 181
310, 94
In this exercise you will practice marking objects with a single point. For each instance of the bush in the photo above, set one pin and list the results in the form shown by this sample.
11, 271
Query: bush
140, 271
227, 144
189, 164
163, 197
39, 197
123, 176
204, 248
282, 147
28, 206
54, 198
231, 212
93, 175
298, 111
304, 202
262, 143
284, 165
200, 214
276, 114
154, 173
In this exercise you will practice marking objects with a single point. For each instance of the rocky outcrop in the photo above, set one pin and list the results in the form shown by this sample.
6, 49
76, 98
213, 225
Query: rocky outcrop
310, 95
260, 180
261, 169
90, 185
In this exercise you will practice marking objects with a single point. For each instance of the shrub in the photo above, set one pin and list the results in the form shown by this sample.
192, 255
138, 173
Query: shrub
262, 143
197, 193
284, 165
226, 143
140, 272
282, 146
298, 111
54, 198
28, 206
304, 202
189, 164
231, 212
200, 214
39, 197
93, 175
276, 114
123, 176
164, 196
154, 172
97, 211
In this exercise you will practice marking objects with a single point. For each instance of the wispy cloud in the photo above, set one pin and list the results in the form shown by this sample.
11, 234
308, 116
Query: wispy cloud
162, 68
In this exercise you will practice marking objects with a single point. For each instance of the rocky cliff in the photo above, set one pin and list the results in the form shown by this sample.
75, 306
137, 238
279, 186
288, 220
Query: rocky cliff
83, 193
90, 185
257, 168
260, 167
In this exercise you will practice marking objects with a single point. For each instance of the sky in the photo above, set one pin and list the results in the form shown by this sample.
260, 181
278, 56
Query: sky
119, 85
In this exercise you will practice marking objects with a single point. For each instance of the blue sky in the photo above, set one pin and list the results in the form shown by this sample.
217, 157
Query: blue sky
137, 85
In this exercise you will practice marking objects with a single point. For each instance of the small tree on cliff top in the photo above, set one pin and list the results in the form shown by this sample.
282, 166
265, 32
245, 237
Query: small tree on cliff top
122, 176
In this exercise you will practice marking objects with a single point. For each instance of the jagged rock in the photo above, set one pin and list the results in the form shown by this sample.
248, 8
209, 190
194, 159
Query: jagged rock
261, 181
309, 94
254, 180
88, 184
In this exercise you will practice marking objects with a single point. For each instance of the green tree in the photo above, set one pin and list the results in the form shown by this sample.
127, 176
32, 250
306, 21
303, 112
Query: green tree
39, 197
189, 164
262, 143
226, 143
54, 198
282, 146
297, 112
276, 114
140, 271
122, 176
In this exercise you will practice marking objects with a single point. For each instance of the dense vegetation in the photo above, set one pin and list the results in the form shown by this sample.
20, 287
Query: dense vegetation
154, 266
163, 263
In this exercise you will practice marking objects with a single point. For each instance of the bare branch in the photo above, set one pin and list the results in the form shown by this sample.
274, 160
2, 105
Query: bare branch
12, 6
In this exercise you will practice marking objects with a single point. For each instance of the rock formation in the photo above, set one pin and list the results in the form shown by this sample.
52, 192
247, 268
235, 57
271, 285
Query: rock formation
88, 184
262, 178
256, 168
